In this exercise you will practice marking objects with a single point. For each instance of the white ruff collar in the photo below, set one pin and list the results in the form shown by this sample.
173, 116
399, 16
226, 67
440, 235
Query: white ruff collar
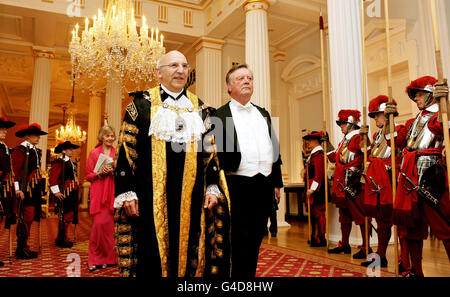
166, 121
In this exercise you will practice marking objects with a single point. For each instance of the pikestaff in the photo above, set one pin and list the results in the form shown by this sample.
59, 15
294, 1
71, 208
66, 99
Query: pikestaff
443, 112
306, 154
364, 113
308, 202
324, 117
13, 196
391, 125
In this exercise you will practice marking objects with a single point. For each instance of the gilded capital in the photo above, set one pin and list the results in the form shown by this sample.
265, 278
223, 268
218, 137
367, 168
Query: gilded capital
43, 52
208, 42
251, 5
97, 93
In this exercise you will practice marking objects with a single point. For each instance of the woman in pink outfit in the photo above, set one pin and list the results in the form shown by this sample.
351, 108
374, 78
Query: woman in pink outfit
101, 242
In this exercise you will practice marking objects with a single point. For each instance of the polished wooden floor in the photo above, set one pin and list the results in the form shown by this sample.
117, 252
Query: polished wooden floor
435, 260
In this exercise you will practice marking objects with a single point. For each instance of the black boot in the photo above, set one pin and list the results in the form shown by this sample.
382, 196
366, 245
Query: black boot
346, 249
63, 243
22, 254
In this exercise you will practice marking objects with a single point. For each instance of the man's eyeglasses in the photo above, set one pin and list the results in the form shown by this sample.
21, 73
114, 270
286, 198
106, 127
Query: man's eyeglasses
174, 66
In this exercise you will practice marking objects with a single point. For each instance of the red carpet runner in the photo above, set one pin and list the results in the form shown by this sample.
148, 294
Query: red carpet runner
53, 261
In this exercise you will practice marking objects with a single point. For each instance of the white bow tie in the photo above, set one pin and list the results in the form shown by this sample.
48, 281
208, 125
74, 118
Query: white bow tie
247, 107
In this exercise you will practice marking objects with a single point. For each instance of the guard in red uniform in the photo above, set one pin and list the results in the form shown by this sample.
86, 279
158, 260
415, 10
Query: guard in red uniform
378, 200
316, 187
28, 185
6, 177
64, 187
347, 193
422, 193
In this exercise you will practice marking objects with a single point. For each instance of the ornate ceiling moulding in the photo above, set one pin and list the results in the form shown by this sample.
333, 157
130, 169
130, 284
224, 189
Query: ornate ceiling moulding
204, 5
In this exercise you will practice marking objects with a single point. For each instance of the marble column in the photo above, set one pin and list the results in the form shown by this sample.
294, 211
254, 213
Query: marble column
40, 94
95, 122
344, 22
95, 119
257, 50
209, 78
113, 103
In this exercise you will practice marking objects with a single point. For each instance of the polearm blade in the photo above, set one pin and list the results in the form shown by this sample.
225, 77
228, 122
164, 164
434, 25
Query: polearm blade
324, 116
364, 113
391, 126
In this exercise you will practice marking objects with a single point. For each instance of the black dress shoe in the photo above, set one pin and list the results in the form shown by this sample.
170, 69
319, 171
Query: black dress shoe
63, 243
319, 242
383, 263
25, 254
273, 234
346, 249
361, 254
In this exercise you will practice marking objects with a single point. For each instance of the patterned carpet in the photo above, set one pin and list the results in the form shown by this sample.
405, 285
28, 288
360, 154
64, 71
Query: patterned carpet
53, 261
275, 261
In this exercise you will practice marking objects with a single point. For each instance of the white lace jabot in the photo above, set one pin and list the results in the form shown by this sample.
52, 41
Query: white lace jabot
164, 123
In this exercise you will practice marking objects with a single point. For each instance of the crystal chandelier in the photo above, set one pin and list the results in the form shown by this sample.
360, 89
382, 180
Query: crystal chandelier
112, 48
70, 132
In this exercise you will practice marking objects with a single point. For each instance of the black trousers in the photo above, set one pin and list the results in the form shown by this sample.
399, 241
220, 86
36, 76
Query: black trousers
251, 203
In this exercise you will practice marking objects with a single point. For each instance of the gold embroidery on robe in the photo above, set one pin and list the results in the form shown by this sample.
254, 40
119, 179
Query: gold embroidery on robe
159, 170
132, 111
159, 175
189, 174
